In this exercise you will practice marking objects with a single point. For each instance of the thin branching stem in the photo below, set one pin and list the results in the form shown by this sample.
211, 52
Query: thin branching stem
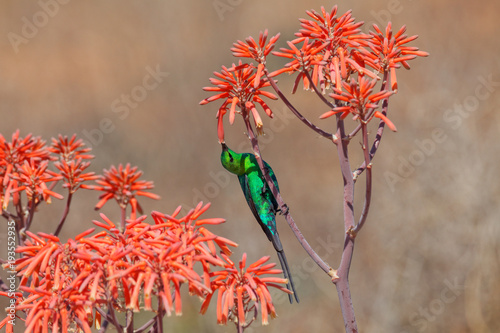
123, 209
79, 323
8, 215
105, 323
149, 323
159, 316
368, 191
358, 128
31, 213
129, 328
378, 136
65, 213
112, 313
20, 213
341, 281
320, 95
109, 317
295, 111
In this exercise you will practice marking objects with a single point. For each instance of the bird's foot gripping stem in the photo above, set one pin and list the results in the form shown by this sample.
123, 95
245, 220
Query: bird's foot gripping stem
284, 210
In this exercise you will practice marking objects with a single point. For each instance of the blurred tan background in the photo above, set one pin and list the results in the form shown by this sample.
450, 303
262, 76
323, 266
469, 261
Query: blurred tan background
428, 258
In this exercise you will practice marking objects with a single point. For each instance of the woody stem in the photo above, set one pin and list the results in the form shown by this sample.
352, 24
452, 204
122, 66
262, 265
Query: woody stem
65, 214
342, 280
368, 191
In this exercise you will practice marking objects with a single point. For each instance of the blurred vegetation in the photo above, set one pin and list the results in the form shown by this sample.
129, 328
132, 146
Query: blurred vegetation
428, 258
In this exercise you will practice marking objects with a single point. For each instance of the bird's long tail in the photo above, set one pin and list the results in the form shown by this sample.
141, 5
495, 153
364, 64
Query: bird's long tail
286, 272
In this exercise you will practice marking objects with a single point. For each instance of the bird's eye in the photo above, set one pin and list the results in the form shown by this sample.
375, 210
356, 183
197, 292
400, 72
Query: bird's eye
231, 158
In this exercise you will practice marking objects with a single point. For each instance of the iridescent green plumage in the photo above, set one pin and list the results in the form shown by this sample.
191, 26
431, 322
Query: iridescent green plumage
259, 198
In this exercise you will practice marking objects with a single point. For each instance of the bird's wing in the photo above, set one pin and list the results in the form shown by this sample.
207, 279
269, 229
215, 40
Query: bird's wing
245, 186
275, 181
272, 175
248, 196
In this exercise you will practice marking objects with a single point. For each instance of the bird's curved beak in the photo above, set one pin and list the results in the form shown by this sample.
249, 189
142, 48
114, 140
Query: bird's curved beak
224, 147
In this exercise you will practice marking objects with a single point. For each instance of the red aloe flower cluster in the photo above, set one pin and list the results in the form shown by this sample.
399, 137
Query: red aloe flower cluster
341, 49
86, 281
156, 260
251, 49
326, 40
306, 57
327, 27
32, 177
388, 51
123, 185
335, 55
239, 86
79, 283
70, 149
257, 51
23, 166
61, 284
242, 291
360, 101
71, 162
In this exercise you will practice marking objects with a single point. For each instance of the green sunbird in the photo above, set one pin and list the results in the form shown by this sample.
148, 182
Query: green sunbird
260, 199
